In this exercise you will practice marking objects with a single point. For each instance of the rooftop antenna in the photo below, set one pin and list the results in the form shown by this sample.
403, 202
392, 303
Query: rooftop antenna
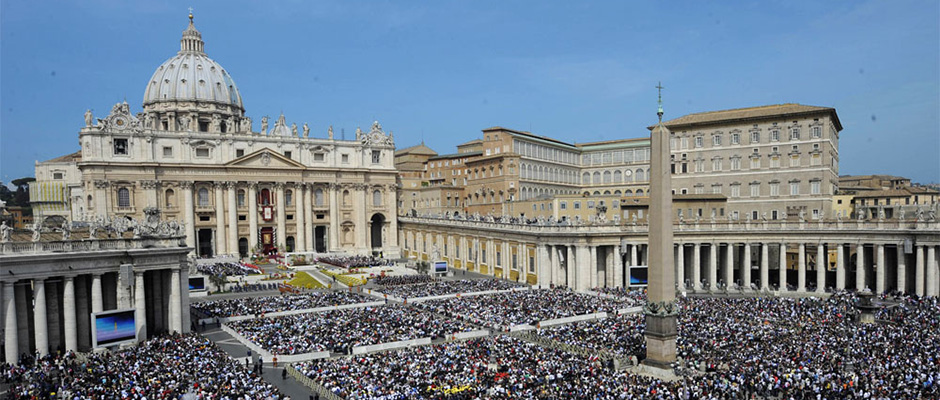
659, 112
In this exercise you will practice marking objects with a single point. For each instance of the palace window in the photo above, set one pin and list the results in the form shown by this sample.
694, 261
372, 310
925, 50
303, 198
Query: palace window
817, 132
795, 134
289, 198
735, 138
755, 189
240, 198
815, 187
794, 188
774, 135
124, 198
202, 197
716, 140
699, 141
735, 190
755, 137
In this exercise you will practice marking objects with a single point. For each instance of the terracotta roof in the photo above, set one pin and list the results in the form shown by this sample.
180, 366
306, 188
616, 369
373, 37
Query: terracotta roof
457, 155
529, 134
472, 142
74, 157
902, 192
416, 149
750, 113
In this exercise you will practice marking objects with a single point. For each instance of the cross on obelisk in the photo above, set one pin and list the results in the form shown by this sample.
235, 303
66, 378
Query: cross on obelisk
660, 309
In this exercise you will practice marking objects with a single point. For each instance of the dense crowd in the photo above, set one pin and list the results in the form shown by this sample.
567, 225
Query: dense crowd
354, 261
226, 269
503, 310
778, 348
285, 302
397, 280
638, 295
438, 288
340, 330
166, 367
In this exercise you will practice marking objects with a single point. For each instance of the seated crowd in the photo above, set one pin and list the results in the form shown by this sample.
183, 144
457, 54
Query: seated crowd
226, 269
340, 330
268, 304
619, 336
635, 294
503, 310
354, 261
438, 288
166, 367
397, 280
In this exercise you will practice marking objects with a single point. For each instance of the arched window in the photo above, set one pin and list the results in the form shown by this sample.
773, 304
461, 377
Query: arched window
346, 198
376, 198
289, 198
640, 175
606, 176
628, 192
618, 176
586, 178
265, 197
124, 197
639, 192
240, 198
318, 197
169, 198
596, 177
202, 197
90, 204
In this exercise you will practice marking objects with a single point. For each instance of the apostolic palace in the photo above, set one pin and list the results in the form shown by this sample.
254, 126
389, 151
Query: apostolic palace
758, 206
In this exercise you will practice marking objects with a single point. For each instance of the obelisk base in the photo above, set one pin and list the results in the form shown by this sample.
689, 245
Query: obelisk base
660, 341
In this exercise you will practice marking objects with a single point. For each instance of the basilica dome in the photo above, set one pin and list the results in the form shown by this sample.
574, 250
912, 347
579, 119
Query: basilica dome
191, 77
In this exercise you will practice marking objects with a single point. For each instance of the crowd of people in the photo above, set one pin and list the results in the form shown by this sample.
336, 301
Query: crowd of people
284, 302
439, 288
503, 310
398, 280
340, 330
166, 367
638, 295
354, 261
779, 348
227, 269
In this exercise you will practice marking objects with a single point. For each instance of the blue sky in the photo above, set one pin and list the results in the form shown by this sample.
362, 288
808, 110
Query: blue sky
443, 70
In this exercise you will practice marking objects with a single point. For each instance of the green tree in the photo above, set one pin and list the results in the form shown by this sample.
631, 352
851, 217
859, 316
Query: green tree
21, 196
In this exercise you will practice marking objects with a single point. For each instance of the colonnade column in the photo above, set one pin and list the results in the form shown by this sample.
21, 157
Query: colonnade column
840, 266
10, 336
391, 202
252, 215
300, 197
140, 303
633, 255
697, 267
232, 220
902, 269
618, 266
68, 314
880, 269
334, 219
782, 269
189, 214
571, 267
729, 264
176, 318
97, 302
308, 221
919, 271
822, 263
362, 222
583, 266
544, 270
39, 316
933, 287
746, 265
281, 233
680, 266
219, 218
593, 270
860, 267
556, 264
764, 267
713, 266
801, 271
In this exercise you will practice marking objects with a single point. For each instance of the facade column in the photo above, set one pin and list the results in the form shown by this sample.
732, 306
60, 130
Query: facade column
189, 218
933, 287
571, 266
300, 197
801, 272
593, 270
919, 271
362, 222
334, 244
840, 266
583, 264
764, 267
633, 255
902, 269
140, 303
391, 202
611, 269
860, 267
556, 264
100, 199
746, 265
546, 274
680, 266
782, 271
11, 333
176, 324
713, 266
281, 233
308, 221
880, 269
97, 303
68, 314
232, 220
697, 267
524, 264
39, 316
220, 237
729, 264
822, 264
252, 216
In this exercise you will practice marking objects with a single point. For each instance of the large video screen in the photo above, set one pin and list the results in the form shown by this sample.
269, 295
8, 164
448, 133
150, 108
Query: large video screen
440, 266
639, 276
113, 327
197, 283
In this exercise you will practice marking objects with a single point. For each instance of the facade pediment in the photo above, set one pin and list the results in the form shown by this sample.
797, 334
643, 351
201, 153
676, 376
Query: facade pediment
265, 158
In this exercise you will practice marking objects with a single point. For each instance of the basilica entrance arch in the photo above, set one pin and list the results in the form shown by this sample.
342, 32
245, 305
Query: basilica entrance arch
378, 221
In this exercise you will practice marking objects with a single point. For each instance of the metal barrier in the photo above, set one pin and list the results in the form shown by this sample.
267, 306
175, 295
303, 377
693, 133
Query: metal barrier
312, 384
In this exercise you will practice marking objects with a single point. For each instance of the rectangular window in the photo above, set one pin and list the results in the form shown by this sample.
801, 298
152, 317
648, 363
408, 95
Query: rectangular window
716, 189
318, 157
499, 258
376, 156
239, 152
167, 151
345, 158
794, 188
288, 154
735, 138
755, 137
795, 160
202, 152
716, 164
755, 162
57, 175
590, 204
735, 164
564, 205
577, 205
815, 187
816, 160
120, 147
755, 189
699, 189
795, 134
774, 135
716, 140
817, 132
699, 141
774, 189
735, 191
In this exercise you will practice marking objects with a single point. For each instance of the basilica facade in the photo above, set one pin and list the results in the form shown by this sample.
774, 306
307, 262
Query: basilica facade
193, 153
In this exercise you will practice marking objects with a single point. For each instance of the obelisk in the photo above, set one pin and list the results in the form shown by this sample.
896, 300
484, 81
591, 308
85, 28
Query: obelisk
660, 309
